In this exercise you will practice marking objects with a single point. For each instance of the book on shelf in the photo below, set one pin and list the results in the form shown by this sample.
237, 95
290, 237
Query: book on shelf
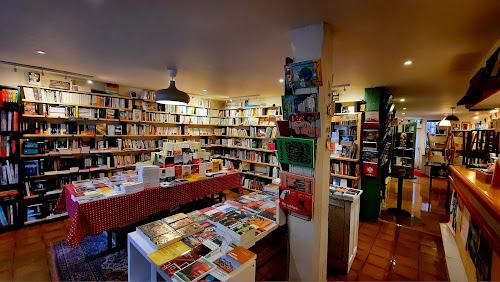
297, 151
7, 213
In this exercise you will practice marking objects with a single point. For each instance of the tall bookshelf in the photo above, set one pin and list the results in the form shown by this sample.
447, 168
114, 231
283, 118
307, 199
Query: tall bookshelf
10, 185
346, 146
78, 135
249, 145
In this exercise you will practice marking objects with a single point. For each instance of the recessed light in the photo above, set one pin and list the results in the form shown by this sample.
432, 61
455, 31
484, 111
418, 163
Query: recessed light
407, 63
404, 113
402, 100
90, 81
494, 111
40, 52
475, 117
404, 108
204, 90
281, 80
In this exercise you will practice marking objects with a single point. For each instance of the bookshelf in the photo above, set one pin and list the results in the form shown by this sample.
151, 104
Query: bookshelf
10, 198
346, 148
61, 121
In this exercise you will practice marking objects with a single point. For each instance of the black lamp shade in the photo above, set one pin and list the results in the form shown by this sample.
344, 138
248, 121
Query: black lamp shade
452, 118
172, 96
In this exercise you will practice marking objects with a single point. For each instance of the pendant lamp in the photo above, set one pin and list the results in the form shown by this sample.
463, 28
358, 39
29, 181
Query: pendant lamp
452, 117
445, 122
172, 95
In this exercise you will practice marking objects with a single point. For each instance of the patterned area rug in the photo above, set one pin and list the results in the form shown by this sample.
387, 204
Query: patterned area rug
71, 266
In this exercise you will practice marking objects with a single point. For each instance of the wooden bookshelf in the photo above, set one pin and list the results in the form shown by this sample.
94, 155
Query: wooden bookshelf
344, 176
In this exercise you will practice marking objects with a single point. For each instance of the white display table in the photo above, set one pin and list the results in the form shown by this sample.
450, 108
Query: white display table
142, 268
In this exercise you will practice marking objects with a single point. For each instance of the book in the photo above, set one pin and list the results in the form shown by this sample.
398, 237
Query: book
234, 259
296, 151
296, 202
304, 74
189, 229
195, 271
162, 256
174, 218
297, 182
165, 239
100, 129
181, 223
186, 259
302, 103
305, 125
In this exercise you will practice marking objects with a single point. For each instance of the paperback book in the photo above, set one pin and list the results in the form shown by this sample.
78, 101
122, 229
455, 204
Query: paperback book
305, 125
304, 74
195, 271
297, 182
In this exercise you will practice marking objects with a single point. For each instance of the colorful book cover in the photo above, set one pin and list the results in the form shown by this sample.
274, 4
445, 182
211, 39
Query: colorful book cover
100, 129
241, 255
259, 221
227, 263
112, 88
195, 271
297, 182
186, 259
302, 103
303, 74
168, 253
209, 278
296, 202
305, 125
296, 151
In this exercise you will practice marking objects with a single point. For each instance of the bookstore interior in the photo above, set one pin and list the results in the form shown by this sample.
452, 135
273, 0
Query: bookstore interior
121, 167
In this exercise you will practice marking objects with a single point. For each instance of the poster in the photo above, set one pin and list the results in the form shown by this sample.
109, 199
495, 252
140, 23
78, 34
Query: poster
452, 224
34, 78
304, 74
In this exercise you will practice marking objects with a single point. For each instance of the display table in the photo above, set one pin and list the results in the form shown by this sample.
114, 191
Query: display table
482, 202
142, 268
101, 215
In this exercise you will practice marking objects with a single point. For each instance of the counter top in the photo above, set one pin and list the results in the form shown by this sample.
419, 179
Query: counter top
487, 196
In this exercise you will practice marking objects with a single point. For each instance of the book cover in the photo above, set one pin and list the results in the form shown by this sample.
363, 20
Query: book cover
168, 253
195, 271
100, 129
186, 259
259, 221
227, 263
297, 182
304, 74
296, 202
153, 229
209, 278
296, 151
189, 229
174, 218
241, 255
305, 125
181, 223
165, 239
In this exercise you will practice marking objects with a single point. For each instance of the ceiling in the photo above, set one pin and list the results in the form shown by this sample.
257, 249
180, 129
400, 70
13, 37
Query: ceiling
235, 48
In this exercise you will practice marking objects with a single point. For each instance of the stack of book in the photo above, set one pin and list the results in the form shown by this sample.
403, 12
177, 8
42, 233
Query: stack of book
149, 175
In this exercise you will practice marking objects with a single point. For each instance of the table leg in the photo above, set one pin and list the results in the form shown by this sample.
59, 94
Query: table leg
139, 268
220, 197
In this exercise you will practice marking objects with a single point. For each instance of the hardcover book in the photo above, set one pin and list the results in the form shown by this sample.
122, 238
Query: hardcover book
305, 125
168, 253
153, 229
165, 239
302, 103
181, 223
296, 151
189, 229
174, 218
186, 259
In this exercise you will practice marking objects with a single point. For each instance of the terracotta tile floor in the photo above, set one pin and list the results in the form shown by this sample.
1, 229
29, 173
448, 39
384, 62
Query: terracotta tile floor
385, 251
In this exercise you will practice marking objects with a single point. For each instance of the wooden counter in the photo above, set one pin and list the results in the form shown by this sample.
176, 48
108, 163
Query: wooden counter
483, 204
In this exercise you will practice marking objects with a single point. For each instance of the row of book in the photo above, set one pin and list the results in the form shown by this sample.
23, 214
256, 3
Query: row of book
9, 120
57, 96
8, 146
253, 183
9, 173
67, 165
254, 156
344, 168
9, 96
7, 213
146, 129
202, 131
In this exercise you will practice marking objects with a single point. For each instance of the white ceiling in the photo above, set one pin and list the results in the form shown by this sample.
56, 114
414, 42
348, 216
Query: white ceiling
236, 48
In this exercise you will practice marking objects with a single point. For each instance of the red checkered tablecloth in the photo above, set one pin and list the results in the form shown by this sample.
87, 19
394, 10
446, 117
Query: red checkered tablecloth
98, 216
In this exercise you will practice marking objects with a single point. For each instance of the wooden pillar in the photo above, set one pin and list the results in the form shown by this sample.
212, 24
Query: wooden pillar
308, 240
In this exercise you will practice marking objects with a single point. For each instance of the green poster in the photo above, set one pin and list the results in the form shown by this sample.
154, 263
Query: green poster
296, 151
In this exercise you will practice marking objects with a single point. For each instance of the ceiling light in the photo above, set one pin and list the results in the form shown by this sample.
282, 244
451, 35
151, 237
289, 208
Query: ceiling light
402, 100
204, 90
407, 63
281, 80
172, 95
404, 113
90, 81
445, 122
494, 111
404, 108
452, 117
40, 52
475, 117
